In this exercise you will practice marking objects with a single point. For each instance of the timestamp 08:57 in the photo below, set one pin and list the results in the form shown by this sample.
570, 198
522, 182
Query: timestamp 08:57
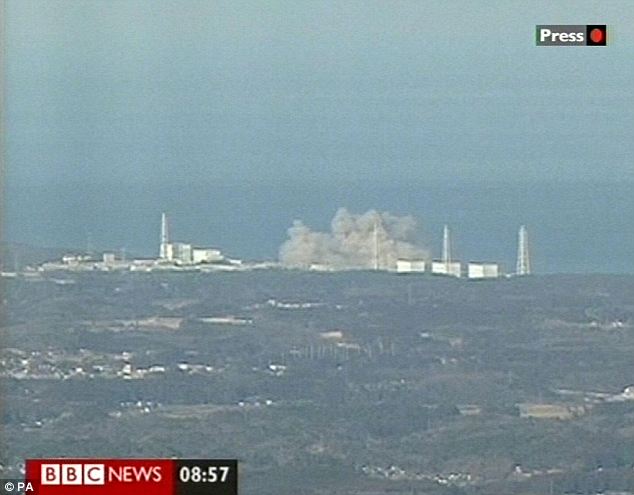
206, 477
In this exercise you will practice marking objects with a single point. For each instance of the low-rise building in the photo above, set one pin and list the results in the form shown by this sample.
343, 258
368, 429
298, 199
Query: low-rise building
482, 270
449, 268
410, 266
206, 255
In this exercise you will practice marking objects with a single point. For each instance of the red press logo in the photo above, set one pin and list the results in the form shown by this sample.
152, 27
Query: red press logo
571, 35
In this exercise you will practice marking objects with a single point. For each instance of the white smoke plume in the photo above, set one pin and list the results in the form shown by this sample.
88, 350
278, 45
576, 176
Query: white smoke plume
354, 242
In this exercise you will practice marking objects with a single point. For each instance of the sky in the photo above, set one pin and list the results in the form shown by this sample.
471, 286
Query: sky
147, 101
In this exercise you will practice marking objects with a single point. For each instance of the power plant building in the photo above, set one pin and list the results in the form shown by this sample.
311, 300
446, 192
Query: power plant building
206, 255
109, 259
480, 270
183, 253
448, 268
410, 266
179, 251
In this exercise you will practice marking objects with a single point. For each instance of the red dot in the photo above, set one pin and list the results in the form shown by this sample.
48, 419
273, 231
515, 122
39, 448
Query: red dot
596, 35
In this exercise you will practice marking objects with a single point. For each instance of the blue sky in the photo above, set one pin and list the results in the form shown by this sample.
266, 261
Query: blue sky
315, 91
293, 96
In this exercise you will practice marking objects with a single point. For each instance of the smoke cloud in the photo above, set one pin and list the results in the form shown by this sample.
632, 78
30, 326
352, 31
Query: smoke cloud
352, 242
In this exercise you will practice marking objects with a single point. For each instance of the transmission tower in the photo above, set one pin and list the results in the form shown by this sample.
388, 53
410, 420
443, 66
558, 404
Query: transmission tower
164, 236
446, 248
523, 257
376, 243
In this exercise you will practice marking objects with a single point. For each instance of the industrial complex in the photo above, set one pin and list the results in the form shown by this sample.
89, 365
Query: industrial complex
171, 256
476, 270
181, 253
184, 256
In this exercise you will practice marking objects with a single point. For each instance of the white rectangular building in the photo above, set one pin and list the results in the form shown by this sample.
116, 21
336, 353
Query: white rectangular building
179, 251
451, 268
206, 255
410, 266
108, 259
479, 270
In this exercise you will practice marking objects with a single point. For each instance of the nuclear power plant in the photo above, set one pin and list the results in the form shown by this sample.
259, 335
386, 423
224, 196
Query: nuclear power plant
446, 265
474, 270
171, 256
183, 253
371, 241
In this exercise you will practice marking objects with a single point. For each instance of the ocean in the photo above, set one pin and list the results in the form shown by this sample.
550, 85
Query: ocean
573, 228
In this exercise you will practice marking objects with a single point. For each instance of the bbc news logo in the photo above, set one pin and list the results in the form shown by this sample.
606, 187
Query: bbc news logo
571, 35
132, 476
97, 474
72, 474
101, 476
